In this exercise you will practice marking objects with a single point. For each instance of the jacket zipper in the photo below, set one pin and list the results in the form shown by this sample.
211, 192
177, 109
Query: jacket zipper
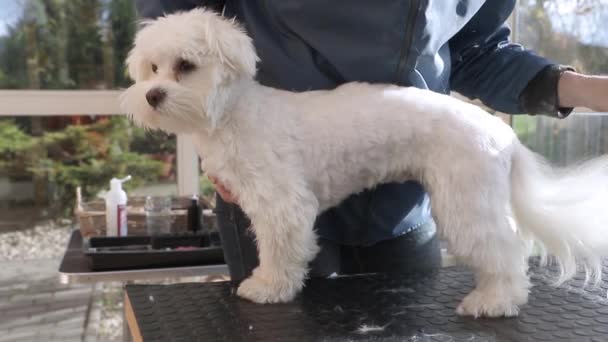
409, 35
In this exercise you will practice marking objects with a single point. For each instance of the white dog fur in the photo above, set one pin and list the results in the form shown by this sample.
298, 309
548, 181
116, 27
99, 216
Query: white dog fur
289, 156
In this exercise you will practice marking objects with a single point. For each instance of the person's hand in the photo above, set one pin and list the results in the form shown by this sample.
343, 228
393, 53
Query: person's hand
221, 189
578, 90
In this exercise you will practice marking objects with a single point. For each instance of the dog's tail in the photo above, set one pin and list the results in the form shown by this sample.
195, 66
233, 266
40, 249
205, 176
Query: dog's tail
564, 210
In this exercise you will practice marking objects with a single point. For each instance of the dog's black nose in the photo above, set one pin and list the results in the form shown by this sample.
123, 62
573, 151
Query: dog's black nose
155, 96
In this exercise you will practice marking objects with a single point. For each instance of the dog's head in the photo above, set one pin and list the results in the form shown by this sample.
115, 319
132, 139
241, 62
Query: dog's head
183, 66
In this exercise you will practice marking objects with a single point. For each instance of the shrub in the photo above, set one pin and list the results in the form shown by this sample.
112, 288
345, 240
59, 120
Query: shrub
85, 155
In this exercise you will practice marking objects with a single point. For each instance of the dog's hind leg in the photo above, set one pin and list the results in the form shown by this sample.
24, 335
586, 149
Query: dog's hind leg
479, 234
286, 244
497, 293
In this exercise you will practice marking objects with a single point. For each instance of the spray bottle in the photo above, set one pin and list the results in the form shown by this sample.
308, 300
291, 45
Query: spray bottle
116, 208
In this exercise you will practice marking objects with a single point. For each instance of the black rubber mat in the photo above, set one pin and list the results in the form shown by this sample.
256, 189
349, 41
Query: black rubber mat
369, 308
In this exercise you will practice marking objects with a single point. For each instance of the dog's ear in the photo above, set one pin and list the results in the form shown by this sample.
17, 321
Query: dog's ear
215, 102
136, 65
238, 50
232, 45
238, 58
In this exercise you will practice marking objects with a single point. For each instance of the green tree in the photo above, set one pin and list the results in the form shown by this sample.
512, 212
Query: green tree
122, 22
84, 46
61, 44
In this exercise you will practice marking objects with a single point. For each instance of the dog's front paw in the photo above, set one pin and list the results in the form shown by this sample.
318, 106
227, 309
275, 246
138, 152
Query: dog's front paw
480, 304
262, 290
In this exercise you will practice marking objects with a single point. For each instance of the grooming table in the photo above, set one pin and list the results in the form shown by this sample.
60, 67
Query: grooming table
366, 308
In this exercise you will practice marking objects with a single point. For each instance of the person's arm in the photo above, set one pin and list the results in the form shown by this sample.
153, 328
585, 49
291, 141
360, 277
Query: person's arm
222, 190
503, 75
578, 90
151, 9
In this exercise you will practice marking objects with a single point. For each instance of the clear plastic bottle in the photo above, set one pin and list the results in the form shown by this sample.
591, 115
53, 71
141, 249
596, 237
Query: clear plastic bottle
116, 208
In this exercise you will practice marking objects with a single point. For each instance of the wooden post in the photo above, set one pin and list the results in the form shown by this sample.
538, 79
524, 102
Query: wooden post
129, 315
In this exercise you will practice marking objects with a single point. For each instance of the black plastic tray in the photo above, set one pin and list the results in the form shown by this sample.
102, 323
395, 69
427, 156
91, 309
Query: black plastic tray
116, 253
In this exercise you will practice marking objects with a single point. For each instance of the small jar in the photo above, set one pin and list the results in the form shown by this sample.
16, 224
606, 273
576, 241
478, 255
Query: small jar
158, 215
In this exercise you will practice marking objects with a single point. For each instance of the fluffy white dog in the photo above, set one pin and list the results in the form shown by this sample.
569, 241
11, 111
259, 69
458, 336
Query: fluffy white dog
289, 156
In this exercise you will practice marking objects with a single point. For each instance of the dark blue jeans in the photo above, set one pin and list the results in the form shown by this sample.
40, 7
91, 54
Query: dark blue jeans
416, 251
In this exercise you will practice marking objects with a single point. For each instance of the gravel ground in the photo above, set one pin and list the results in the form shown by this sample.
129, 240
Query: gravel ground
105, 321
47, 240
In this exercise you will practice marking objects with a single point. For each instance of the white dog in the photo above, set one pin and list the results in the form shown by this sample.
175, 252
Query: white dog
289, 156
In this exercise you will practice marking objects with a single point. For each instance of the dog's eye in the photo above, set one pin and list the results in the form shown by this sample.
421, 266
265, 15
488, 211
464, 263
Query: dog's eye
184, 66
154, 68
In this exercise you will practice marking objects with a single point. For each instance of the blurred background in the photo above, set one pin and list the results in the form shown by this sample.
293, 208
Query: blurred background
76, 48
